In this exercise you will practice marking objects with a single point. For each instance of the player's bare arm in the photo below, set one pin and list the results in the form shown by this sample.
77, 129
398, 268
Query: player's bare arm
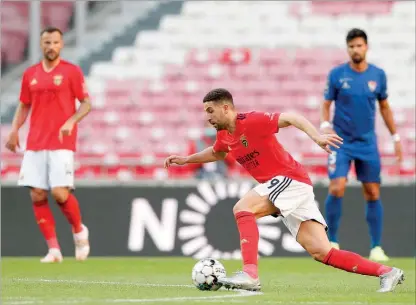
20, 116
83, 110
387, 115
300, 122
204, 156
326, 126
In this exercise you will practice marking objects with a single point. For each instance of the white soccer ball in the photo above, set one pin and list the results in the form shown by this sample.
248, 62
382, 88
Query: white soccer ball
206, 273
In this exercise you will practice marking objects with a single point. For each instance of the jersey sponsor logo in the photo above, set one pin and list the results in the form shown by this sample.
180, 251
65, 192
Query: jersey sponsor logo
248, 157
57, 80
249, 161
244, 141
372, 85
345, 84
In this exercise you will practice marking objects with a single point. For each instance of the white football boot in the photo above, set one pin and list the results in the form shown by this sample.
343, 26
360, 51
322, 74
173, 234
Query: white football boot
389, 280
54, 256
377, 254
82, 244
240, 280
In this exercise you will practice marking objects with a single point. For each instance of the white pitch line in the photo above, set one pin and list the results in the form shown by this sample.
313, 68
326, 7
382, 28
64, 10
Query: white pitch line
239, 294
215, 298
99, 283
19, 302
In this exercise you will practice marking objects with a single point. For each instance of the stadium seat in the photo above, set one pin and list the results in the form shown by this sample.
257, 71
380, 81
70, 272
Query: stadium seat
15, 24
272, 57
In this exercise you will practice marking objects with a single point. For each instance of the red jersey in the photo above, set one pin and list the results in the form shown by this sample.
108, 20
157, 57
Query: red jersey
52, 96
254, 145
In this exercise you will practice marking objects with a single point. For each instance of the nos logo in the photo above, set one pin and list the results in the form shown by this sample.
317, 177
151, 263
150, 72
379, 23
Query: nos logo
205, 227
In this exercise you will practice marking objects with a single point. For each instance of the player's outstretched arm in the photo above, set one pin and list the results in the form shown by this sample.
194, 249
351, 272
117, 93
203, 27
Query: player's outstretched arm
20, 116
204, 156
300, 122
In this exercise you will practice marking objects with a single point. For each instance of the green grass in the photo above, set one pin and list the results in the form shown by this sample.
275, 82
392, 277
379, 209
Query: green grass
123, 281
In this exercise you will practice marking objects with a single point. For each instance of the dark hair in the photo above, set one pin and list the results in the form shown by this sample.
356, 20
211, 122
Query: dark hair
50, 30
218, 95
356, 33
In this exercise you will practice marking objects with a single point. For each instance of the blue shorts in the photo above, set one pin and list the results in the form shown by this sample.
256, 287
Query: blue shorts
367, 166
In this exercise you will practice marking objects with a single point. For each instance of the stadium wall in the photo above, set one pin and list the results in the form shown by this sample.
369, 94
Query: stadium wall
193, 221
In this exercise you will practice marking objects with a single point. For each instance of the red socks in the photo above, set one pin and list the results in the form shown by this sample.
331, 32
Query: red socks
70, 208
354, 263
249, 241
46, 222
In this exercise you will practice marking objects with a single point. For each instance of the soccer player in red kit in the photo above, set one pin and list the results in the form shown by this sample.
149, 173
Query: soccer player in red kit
284, 188
50, 90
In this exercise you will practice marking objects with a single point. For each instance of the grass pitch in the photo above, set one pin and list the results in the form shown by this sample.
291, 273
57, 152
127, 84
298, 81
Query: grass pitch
122, 281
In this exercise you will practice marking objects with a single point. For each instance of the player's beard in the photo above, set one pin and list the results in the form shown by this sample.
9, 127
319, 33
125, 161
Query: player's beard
51, 55
219, 127
357, 59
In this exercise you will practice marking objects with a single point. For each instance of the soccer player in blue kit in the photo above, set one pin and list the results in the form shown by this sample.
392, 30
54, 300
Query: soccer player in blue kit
356, 87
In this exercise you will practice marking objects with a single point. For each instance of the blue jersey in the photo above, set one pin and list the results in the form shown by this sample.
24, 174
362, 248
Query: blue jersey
355, 95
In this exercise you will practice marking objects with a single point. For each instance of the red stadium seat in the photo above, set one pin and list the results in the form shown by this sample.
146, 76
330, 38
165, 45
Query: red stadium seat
15, 24
144, 120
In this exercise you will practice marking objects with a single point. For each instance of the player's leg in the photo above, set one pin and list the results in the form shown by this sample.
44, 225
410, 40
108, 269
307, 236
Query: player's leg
246, 211
368, 172
333, 208
61, 177
33, 174
249, 208
46, 222
338, 168
312, 236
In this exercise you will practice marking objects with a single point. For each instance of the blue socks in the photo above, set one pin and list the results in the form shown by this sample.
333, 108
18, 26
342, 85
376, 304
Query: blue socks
333, 212
374, 216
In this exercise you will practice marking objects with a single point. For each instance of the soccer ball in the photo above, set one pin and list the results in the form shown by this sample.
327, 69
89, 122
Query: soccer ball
206, 273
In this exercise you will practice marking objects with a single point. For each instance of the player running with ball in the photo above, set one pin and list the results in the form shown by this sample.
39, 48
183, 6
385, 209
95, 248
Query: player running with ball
284, 188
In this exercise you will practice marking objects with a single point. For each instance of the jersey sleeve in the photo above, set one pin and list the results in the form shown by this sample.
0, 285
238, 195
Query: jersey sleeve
383, 87
79, 87
220, 146
330, 93
264, 123
24, 90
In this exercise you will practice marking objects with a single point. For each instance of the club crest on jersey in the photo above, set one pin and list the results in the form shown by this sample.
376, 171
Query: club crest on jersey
244, 141
57, 80
372, 85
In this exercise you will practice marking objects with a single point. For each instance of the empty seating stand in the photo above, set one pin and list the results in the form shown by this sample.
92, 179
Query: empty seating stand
272, 56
